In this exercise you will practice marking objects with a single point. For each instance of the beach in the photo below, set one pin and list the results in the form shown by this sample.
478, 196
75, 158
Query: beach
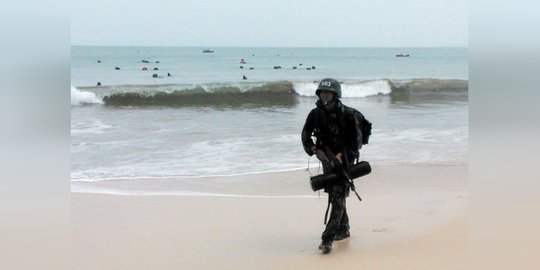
411, 217
205, 170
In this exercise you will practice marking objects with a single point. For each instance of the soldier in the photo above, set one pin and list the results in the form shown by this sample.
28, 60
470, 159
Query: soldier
333, 126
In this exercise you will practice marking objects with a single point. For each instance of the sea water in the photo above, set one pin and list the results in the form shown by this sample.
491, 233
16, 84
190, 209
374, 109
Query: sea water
205, 120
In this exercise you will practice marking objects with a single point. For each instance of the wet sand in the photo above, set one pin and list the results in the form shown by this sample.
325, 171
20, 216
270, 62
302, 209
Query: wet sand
411, 217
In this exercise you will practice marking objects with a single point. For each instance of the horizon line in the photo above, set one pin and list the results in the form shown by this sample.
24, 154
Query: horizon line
242, 46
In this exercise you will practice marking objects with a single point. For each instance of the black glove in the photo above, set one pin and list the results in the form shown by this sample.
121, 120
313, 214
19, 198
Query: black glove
321, 156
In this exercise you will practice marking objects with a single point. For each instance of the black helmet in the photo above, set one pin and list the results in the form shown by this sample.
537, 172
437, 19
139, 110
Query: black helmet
331, 85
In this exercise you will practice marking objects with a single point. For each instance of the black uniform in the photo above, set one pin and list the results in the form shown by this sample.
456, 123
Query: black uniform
335, 129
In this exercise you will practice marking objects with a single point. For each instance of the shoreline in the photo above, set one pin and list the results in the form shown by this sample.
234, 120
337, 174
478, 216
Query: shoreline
411, 217
215, 185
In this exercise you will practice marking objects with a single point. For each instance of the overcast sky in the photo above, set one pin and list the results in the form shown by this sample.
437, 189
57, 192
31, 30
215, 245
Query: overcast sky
307, 23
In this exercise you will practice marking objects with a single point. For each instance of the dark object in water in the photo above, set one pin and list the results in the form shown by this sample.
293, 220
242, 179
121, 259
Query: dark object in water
294, 67
154, 75
312, 67
116, 68
357, 170
156, 68
241, 67
144, 61
98, 84
208, 51
169, 74
99, 61
402, 55
157, 62
277, 67
244, 77
251, 68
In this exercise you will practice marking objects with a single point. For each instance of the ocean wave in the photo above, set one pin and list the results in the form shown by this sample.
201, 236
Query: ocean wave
349, 89
258, 94
274, 93
431, 86
79, 97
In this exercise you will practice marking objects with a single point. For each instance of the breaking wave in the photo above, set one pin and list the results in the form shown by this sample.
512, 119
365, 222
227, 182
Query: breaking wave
79, 97
431, 86
350, 89
260, 94
276, 93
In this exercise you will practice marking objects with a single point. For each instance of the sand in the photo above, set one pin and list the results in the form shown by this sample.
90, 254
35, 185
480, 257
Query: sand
411, 217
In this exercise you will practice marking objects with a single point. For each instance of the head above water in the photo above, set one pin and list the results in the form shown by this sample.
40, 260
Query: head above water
330, 85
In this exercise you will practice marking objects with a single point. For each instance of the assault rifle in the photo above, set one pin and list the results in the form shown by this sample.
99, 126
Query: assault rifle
340, 169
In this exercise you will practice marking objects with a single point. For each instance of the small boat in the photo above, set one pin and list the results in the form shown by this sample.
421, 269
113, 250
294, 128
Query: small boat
207, 51
402, 55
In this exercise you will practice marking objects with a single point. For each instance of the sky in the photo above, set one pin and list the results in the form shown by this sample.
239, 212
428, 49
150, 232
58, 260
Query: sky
270, 23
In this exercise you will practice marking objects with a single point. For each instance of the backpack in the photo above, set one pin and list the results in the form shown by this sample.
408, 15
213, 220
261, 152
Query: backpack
363, 126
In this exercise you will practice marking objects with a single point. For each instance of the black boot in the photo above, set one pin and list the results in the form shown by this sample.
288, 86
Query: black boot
325, 247
342, 235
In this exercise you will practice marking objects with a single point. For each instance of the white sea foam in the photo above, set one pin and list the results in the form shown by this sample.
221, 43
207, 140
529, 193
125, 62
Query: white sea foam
94, 126
127, 192
349, 89
79, 97
370, 88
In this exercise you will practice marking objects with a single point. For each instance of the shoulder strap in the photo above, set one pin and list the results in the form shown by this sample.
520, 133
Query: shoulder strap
347, 114
320, 120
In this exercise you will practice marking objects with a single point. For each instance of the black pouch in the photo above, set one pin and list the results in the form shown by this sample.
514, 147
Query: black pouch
322, 181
